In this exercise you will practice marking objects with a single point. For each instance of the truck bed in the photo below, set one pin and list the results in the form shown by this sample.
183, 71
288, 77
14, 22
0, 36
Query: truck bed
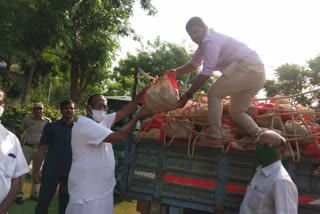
210, 181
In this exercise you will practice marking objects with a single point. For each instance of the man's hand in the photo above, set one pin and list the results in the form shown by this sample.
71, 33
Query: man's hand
183, 100
144, 90
142, 114
173, 71
36, 177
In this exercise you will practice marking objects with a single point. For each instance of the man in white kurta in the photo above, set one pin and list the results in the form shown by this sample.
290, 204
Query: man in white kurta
91, 179
12, 164
271, 191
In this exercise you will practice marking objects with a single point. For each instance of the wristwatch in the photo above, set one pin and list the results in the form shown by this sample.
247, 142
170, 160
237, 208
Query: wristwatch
189, 95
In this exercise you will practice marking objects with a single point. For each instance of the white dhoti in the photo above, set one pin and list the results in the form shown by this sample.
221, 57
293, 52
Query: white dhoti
102, 205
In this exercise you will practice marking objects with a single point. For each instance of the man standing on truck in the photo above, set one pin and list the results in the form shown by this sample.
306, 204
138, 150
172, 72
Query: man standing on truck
91, 179
242, 77
271, 190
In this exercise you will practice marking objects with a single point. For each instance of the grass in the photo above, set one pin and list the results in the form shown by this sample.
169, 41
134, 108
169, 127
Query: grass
28, 207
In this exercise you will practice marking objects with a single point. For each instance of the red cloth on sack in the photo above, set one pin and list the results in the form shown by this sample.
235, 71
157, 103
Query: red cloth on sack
312, 148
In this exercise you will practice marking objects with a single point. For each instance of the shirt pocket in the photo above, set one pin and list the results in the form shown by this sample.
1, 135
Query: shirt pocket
254, 199
8, 165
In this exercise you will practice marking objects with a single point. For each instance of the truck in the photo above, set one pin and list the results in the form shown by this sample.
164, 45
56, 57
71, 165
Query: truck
166, 180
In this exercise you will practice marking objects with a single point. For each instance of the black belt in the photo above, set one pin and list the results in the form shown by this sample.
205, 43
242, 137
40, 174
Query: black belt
31, 145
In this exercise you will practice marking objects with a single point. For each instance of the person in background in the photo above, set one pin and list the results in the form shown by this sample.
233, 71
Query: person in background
242, 77
56, 138
30, 133
91, 179
12, 163
271, 190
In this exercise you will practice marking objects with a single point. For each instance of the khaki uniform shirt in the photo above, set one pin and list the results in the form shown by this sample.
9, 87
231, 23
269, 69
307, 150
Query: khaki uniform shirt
32, 128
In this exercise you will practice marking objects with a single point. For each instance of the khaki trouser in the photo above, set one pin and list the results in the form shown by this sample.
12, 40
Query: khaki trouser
30, 154
241, 81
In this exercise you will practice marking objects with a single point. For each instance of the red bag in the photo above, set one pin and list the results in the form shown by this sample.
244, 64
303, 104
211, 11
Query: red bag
312, 148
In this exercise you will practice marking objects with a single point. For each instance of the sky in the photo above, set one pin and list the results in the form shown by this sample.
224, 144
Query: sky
280, 31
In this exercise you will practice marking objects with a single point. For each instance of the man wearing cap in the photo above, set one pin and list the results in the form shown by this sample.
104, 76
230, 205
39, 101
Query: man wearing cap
30, 132
12, 163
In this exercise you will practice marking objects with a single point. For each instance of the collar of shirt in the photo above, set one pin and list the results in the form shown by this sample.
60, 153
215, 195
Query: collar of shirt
208, 36
268, 170
33, 117
61, 122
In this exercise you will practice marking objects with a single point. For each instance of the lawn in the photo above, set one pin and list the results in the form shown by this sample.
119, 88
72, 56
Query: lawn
120, 207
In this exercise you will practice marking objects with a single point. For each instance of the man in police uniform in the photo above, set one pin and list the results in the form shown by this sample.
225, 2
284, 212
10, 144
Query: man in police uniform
12, 163
31, 131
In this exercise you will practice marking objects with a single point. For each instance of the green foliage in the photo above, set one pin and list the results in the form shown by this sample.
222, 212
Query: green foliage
13, 115
63, 36
294, 79
314, 65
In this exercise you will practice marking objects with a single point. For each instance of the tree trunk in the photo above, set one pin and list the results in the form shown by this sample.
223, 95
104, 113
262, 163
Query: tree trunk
74, 76
29, 81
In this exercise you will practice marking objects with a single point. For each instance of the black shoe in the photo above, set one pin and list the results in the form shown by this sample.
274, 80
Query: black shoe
19, 200
34, 198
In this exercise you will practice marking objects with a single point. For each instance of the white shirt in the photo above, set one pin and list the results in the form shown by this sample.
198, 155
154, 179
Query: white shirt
271, 191
92, 169
12, 161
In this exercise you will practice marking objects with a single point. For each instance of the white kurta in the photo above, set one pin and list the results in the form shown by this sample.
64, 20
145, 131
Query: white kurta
91, 178
12, 161
271, 191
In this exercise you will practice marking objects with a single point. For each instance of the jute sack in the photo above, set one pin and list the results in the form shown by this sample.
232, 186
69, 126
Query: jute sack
198, 111
266, 121
227, 131
152, 134
179, 129
298, 130
163, 95
281, 100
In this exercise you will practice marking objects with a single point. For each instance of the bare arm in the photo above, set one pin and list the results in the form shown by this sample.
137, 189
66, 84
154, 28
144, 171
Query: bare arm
6, 203
185, 69
200, 81
40, 155
117, 136
130, 107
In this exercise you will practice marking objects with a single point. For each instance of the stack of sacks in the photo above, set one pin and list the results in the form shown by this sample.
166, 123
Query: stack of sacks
180, 129
151, 129
228, 129
179, 122
198, 112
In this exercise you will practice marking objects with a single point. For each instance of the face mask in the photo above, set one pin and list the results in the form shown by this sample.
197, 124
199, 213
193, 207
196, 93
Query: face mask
98, 115
1, 110
265, 155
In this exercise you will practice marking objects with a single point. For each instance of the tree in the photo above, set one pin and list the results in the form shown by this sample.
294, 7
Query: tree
90, 38
291, 79
154, 58
27, 29
85, 33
